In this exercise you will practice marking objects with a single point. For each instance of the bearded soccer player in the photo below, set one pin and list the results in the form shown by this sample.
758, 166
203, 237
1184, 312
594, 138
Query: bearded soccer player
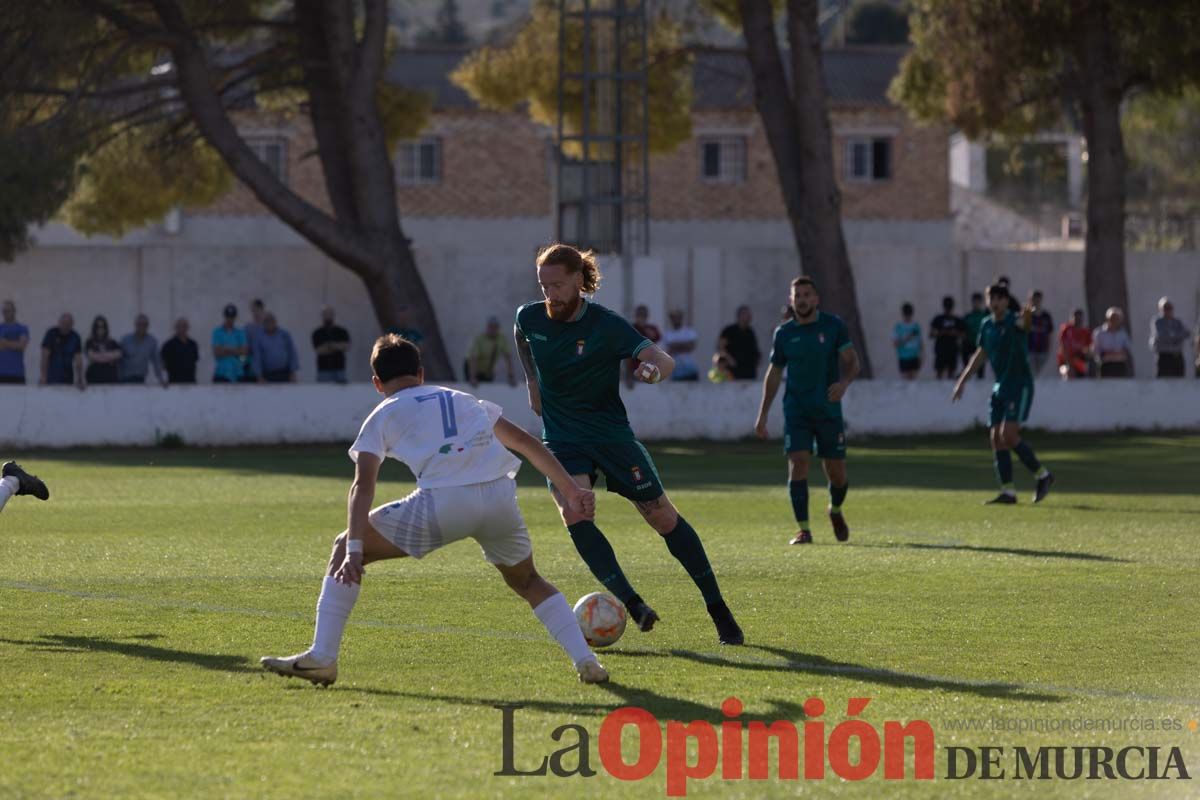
815, 349
572, 350
1003, 341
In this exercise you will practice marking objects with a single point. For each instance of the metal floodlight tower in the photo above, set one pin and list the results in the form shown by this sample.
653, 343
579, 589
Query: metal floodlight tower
603, 157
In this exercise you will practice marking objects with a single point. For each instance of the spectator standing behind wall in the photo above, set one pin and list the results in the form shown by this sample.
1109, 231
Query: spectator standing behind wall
643, 325
973, 322
947, 332
139, 352
1075, 348
103, 354
906, 336
274, 355
680, 341
1041, 332
14, 338
404, 328
1167, 335
331, 342
738, 347
180, 354
1112, 346
1196, 347
486, 350
254, 330
229, 349
62, 355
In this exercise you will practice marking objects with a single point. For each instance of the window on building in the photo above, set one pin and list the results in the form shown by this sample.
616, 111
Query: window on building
272, 151
419, 161
869, 158
723, 159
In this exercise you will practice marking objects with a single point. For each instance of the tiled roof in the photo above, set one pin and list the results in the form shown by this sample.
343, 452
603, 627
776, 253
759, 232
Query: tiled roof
855, 76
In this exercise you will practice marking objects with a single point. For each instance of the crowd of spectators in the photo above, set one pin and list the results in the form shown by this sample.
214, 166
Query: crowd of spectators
1077, 350
259, 352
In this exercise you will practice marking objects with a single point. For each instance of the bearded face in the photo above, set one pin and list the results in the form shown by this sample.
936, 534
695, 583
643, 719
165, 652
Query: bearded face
562, 291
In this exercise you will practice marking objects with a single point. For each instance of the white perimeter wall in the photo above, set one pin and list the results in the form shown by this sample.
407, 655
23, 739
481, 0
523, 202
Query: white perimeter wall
478, 268
228, 415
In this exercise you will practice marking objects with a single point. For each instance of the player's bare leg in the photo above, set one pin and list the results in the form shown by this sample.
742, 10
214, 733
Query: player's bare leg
835, 470
318, 664
553, 611
798, 489
685, 545
598, 554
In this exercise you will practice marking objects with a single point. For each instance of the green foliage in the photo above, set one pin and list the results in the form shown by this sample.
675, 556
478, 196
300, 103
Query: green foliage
1012, 66
36, 175
526, 72
136, 178
984, 65
877, 22
1162, 138
727, 11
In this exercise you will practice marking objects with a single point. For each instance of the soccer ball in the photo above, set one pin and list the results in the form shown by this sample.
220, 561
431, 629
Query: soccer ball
601, 618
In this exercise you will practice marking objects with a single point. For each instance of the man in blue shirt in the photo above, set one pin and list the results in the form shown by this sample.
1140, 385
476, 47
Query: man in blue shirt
229, 349
274, 355
14, 338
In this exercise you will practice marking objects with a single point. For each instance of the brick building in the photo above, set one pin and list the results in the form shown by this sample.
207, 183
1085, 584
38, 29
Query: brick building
476, 164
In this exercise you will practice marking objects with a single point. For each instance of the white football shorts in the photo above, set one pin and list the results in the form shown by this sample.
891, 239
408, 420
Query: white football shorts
431, 518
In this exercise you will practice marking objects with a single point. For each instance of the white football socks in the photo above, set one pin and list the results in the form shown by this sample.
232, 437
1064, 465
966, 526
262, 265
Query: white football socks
559, 619
333, 609
8, 487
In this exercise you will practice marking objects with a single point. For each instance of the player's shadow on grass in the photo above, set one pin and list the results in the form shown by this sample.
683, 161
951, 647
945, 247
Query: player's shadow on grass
808, 663
62, 643
1010, 551
662, 706
1146, 509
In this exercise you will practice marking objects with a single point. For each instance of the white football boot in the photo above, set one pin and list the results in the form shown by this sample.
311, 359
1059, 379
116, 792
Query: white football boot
590, 671
303, 665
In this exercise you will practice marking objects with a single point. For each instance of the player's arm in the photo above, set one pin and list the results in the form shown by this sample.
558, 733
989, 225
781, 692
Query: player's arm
1026, 323
526, 355
771, 383
655, 365
581, 500
358, 511
849, 367
977, 359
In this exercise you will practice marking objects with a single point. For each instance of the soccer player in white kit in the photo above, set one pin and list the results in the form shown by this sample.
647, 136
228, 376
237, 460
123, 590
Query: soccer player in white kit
454, 443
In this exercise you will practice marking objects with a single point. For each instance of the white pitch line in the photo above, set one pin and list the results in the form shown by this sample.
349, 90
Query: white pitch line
847, 670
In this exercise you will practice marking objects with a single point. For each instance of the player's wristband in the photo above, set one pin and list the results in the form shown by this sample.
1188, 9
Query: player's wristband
354, 546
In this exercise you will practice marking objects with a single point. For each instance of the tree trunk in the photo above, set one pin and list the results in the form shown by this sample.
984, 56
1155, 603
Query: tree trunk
365, 234
1102, 90
796, 122
820, 238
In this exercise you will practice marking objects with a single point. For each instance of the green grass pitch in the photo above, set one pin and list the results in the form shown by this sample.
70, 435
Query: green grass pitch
135, 604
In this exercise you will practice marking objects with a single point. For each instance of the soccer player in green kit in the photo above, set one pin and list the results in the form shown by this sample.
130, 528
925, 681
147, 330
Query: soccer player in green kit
1003, 341
821, 362
572, 350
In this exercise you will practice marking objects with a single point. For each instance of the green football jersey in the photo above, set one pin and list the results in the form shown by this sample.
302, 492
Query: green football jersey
810, 354
579, 371
1006, 345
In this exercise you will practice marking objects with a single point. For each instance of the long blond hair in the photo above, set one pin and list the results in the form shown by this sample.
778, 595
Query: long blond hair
573, 261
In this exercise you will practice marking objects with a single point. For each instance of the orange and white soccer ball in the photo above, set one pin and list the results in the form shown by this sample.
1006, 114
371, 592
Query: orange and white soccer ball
601, 618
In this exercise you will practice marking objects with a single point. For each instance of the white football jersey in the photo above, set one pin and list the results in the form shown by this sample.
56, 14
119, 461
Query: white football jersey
444, 436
